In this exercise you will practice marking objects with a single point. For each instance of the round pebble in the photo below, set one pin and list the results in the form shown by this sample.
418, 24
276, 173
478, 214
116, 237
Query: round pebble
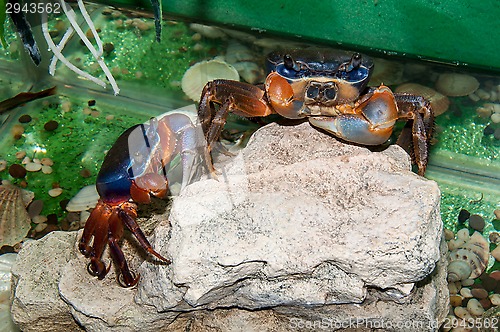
46, 169
85, 173
488, 130
496, 134
463, 215
35, 208
17, 131
466, 292
467, 282
461, 312
488, 282
495, 299
486, 303
474, 307
55, 192
66, 106
40, 227
25, 118
51, 125
495, 275
497, 214
39, 219
26, 160
479, 293
17, 171
463, 234
3, 165
495, 117
33, 167
47, 161
476, 222
455, 300
108, 48
494, 237
20, 154
496, 253
63, 203
92, 102
448, 234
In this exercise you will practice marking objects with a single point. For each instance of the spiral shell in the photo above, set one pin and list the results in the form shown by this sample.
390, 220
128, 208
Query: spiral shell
473, 252
15, 222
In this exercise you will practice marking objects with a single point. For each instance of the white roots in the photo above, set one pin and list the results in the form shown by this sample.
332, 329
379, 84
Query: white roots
74, 27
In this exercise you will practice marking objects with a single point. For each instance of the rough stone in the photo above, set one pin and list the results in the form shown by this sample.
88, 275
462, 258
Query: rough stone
300, 232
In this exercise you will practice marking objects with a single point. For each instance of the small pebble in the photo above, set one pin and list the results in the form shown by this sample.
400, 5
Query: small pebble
33, 167
496, 253
84, 215
496, 134
35, 208
46, 169
47, 162
24, 118
495, 299
92, 102
497, 214
494, 237
3, 165
52, 219
452, 288
108, 48
455, 300
488, 130
466, 292
495, 275
488, 282
17, 131
476, 222
467, 282
66, 106
463, 215
461, 312
40, 227
63, 203
110, 117
463, 234
51, 125
486, 303
448, 234
37, 161
20, 154
95, 114
87, 111
474, 307
26, 160
479, 293
85, 173
55, 192
17, 171
495, 117
39, 219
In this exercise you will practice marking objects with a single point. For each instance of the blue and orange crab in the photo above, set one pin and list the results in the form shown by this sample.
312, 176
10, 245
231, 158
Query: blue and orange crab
134, 169
329, 88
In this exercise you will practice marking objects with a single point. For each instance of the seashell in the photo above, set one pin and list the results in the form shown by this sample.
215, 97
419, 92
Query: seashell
207, 30
6, 263
474, 253
201, 73
456, 85
85, 199
15, 222
439, 102
458, 270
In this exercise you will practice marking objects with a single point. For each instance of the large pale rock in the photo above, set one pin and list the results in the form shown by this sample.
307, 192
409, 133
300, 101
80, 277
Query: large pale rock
300, 232
297, 219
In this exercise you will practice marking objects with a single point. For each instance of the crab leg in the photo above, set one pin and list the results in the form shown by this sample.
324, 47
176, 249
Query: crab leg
370, 123
416, 135
115, 234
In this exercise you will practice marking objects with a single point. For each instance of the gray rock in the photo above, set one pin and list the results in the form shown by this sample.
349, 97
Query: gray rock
300, 232
297, 219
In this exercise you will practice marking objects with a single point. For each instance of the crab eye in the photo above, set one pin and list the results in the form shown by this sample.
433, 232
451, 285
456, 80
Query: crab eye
330, 93
288, 62
313, 91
